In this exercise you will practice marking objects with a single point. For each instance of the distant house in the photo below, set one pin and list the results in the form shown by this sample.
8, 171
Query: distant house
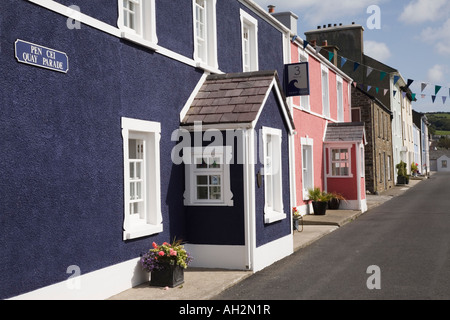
379, 171
440, 160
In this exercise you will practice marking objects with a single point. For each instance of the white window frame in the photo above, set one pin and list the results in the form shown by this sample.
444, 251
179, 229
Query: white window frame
150, 220
325, 91
249, 26
207, 57
304, 100
340, 98
307, 145
332, 161
273, 174
192, 157
145, 29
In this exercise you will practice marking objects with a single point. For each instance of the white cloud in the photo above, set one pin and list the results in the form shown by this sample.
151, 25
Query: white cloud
440, 37
419, 11
377, 50
436, 73
324, 11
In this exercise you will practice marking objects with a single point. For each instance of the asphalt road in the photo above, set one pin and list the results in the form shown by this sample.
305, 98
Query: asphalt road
399, 250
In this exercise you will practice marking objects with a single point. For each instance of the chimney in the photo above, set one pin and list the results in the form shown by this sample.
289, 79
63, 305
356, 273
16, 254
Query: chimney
324, 43
289, 19
271, 8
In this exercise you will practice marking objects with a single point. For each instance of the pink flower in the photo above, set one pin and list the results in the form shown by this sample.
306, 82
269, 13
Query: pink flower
165, 244
161, 253
154, 245
173, 252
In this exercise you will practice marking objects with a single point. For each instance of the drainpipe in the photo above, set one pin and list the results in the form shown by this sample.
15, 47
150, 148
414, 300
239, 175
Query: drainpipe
249, 196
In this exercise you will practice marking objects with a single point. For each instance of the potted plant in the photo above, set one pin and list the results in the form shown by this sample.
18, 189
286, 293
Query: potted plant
319, 201
296, 218
166, 263
402, 176
335, 200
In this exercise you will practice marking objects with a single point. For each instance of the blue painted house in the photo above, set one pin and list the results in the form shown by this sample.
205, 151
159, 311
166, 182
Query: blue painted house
167, 121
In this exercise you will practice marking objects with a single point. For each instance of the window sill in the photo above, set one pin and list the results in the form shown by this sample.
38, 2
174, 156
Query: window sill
142, 231
208, 68
209, 204
273, 216
139, 40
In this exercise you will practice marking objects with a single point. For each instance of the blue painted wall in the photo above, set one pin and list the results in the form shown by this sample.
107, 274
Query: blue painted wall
265, 233
62, 150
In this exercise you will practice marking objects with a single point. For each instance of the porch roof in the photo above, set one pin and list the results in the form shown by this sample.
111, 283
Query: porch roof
345, 132
235, 98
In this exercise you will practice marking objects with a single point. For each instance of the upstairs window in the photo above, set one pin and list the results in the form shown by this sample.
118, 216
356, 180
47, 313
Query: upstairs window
249, 27
325, 94
137, 20
205, 34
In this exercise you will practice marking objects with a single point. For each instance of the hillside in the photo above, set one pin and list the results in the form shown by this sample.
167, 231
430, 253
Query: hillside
439, 123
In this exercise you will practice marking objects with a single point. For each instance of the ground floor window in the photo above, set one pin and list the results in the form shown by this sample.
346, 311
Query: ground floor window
208, 176
142, 190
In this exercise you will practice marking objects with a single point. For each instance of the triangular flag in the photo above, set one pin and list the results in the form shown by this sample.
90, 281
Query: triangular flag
355, 66
444, 98
318, 48
305, 44
395, 92
413, 96
361, 86
343, 61
437, 88
354, 84
396, 78
382, 75
433, 98
369, 71
410, 81
368, 88
403, 94
330, 56
424, 85
386, 91
376, 89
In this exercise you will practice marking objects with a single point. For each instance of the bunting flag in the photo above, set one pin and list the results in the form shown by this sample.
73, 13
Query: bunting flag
330, 56
437, 88
410, 81
403, 94
305, 43
396, 78
424, 85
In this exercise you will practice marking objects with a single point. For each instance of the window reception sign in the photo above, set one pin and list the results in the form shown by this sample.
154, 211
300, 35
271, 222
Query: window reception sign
296, 79
39, 56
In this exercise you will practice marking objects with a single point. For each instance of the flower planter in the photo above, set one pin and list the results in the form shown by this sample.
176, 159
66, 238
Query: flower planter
170, 276
320, 208
334, 204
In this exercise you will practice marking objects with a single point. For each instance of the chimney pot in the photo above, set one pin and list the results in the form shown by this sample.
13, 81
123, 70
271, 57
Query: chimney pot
318, 27
329, 25
324, 42
271, 8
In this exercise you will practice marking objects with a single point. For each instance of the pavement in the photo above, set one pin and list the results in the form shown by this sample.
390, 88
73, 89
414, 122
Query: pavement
205, 284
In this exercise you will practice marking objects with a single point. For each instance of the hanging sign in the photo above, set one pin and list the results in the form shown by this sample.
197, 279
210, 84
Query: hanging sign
39, 56
297, 79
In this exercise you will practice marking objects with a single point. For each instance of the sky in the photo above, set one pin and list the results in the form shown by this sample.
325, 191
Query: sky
412, 36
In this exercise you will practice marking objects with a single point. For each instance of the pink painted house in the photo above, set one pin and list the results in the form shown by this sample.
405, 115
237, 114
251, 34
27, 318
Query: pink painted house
329, 148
